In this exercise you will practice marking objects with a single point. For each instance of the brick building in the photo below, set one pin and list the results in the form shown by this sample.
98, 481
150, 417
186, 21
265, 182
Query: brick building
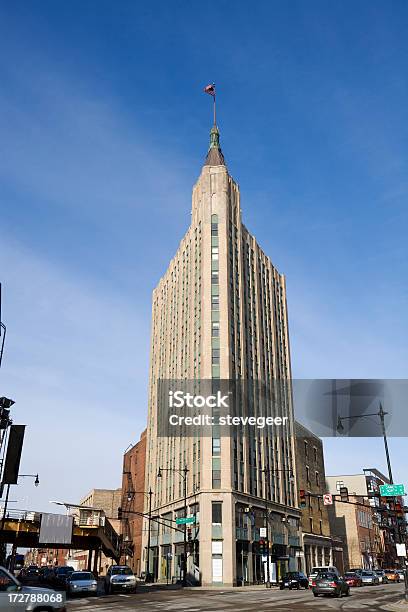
320, 547
354, 524
46, 556
134, 500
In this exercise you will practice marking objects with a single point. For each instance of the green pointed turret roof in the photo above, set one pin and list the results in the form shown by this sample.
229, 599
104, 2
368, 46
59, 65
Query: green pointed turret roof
214, 155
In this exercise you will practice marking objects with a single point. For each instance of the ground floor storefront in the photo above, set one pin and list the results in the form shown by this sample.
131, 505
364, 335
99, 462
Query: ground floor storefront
320, 551
252, 565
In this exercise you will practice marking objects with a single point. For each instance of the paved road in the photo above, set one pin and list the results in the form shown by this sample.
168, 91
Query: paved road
371, 599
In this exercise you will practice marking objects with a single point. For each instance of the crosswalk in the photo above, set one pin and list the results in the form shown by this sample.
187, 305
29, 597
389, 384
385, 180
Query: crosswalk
369, 599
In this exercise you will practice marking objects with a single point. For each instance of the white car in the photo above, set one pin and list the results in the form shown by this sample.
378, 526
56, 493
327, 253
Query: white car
15, 596
120, 578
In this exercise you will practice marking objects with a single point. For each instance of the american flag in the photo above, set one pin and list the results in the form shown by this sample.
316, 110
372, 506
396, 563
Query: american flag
210, 89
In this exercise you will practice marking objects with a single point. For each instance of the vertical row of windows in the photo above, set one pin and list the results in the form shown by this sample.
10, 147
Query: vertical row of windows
215, 347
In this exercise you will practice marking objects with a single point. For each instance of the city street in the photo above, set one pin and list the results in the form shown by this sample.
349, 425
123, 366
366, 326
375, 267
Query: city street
197, 600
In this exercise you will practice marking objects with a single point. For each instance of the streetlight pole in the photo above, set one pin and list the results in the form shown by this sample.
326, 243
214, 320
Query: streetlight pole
183, 473
380, 414
266, 471
185, 528
150, 494
148, 534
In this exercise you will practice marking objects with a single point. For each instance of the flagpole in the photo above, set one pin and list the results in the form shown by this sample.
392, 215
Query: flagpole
215, 117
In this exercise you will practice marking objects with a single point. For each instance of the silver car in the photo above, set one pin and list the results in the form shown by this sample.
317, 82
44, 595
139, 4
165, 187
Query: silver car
120, 578
15, 596
82, 582
369, 577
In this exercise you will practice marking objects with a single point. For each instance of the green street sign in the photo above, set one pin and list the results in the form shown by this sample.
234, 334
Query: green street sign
185, 521
392, 490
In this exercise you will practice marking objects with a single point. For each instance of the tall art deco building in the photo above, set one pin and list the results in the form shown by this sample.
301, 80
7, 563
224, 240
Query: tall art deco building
219, 312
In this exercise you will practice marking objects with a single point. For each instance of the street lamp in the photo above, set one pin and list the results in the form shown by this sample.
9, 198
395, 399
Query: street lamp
130, 497
381, 414
6, 501
36, 481
183, 473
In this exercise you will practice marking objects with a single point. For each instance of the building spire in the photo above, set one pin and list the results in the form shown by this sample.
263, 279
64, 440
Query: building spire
214, 155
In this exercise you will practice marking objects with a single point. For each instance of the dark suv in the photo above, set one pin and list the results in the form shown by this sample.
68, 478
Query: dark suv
294, 580
61, 574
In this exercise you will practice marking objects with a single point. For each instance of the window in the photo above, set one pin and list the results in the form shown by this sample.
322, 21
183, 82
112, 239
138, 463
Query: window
215, 330
307, 474
216, 356
321, 527
214, 253
311, 524
215, 302
315, 454
306, 449
216, 513
216, 446
216, 479
214, 278
317, 478
339, 484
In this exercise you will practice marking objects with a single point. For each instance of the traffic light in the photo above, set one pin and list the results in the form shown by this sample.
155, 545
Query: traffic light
263, 546
302, 498
120, 514
399, 510
4, 418
189, 534
344, 496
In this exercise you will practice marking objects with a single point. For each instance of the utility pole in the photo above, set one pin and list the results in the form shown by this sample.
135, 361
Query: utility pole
185, 528
148, 536
268, 577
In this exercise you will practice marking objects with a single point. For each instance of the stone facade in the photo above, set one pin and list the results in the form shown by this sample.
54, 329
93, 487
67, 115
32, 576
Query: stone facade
220, 312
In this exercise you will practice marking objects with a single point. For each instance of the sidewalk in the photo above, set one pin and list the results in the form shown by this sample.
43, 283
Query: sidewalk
163, 586
397, 606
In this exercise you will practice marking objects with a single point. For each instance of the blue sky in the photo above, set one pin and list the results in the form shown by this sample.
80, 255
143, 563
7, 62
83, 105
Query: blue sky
104, 128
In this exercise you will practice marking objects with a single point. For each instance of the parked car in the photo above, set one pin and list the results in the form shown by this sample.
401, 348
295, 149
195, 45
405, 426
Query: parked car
119, 578
356, 570
9, 585
294, 580
82, 582
331, 569
60, 575
369, 577
327, 583
392, 575
46, 575
382, 576
29, 574
353, 579
401, 574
